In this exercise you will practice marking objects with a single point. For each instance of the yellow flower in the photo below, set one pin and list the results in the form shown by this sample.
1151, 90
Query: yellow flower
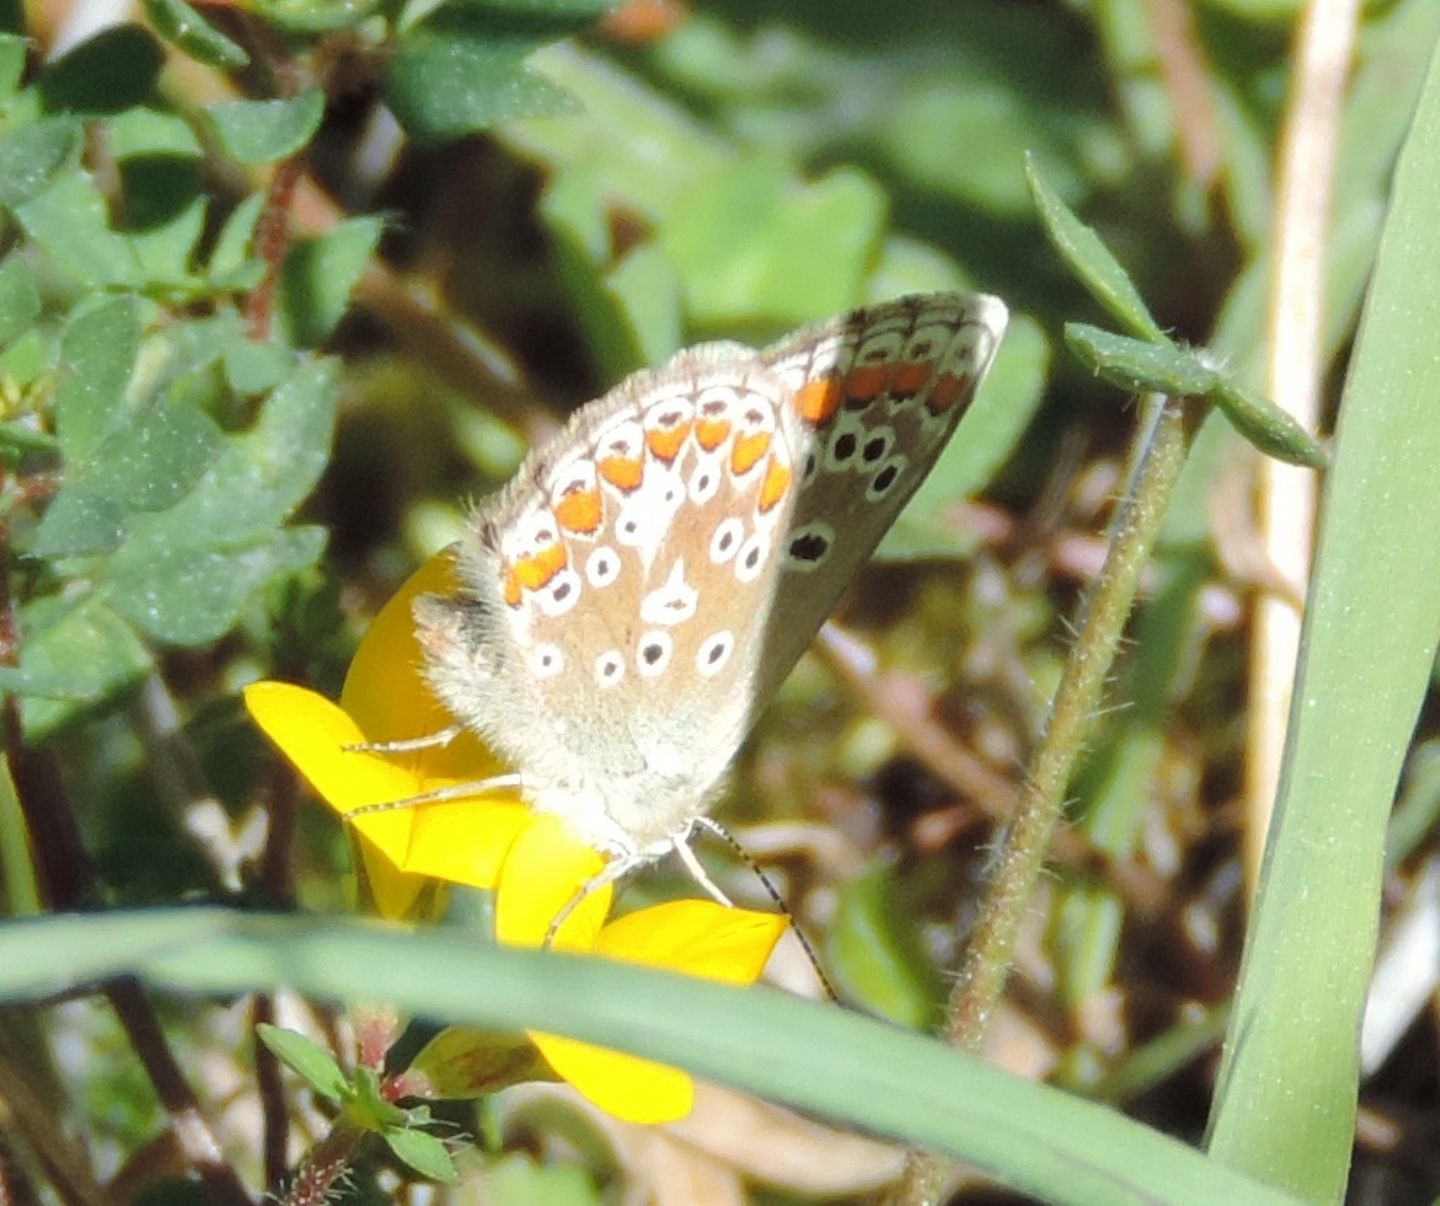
493, 840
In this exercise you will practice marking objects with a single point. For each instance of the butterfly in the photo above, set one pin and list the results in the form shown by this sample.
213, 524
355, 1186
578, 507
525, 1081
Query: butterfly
631, 600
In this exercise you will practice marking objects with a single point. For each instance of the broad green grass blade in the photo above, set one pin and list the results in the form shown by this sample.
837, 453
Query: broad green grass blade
851, 1069
1285, 1108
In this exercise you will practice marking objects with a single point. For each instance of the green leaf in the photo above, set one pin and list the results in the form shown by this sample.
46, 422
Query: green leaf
13, 51
78, 521
184, 574
31, 155
231, 263
194, 596
69, 220
317, 279
1269, 428
19, 298
446, 83
367, 1108
752, 243
1285, 1102
309, 1061
1091, 261
424, 1153
309, 17
263, 131
182, 26
18, 436
98, 349
853, 1070
26, 360
112, 71
74, 655
1140, 366
159, 159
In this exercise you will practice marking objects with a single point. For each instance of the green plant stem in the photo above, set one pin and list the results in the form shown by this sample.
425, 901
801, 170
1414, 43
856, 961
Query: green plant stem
1022, 856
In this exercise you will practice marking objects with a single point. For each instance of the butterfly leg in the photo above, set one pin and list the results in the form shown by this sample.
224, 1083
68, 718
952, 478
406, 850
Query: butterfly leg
618, 866
428, 741
692, 864
453, 791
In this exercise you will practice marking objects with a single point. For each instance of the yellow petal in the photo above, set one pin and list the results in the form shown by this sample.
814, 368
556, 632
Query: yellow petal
465, 841
545, 869
384, 690
631, 1089
313, 733
696, 937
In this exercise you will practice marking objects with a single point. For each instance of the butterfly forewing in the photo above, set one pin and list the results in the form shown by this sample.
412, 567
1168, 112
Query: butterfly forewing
877, 394
627, 577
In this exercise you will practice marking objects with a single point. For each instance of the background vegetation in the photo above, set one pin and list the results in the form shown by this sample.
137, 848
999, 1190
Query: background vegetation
285, 283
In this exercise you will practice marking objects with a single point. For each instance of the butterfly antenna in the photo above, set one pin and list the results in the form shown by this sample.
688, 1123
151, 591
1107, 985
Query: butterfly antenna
748, 859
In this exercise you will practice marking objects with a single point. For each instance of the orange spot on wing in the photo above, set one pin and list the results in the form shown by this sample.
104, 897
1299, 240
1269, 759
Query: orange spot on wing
948, 390
864, 383
777, 481
818, 400
512, 586
711, 433
665, 442
542, 565
580, 511
623, 472
747, 452
910, 378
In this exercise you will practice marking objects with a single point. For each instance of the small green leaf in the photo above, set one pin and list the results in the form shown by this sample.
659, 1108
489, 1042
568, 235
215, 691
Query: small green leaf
73, 656
70, 221
97, 357
27, 359
13, 50
194, 596
1270, 429
424, 1153
317, 279
181, 25
31, 155
1139, 366
1091, 261
309, 1061
231, 260
263, 131
443, 84
19, 437
749, 242
305, 17
78, 522
367, 1108
19, 298
112, 71
159, 159
252, 367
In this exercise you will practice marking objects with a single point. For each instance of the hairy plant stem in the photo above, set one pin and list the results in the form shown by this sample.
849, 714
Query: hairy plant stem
1159, 459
